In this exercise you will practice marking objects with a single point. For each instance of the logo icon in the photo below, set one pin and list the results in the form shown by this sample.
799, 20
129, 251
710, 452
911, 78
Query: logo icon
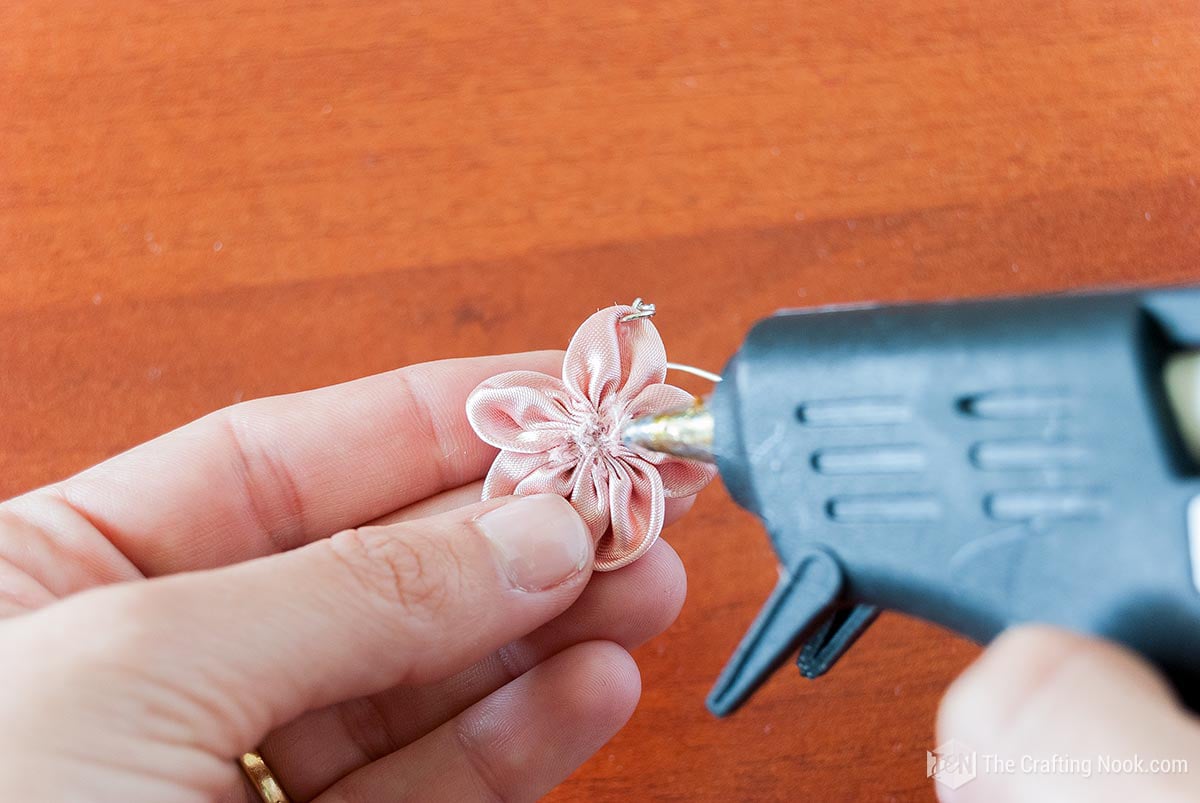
951, 764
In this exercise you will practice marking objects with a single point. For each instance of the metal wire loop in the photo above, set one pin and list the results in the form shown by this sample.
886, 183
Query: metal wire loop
641, 310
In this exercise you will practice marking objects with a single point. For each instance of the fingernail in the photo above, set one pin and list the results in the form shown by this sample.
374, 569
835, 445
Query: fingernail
540, 540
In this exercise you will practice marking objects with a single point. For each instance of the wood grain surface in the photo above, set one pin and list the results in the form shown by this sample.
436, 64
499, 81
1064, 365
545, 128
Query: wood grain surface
205, 202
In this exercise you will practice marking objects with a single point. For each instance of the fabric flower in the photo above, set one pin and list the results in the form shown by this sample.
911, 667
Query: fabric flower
563, 436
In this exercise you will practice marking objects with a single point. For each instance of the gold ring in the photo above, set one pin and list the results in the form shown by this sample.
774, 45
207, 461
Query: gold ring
261, 778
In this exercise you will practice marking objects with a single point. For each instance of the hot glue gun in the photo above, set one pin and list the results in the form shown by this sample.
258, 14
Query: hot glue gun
977, 464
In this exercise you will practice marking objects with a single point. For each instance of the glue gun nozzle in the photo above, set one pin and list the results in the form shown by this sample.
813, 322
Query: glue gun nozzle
683, 433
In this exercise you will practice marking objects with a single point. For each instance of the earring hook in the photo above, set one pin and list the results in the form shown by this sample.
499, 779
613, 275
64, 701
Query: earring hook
641, 310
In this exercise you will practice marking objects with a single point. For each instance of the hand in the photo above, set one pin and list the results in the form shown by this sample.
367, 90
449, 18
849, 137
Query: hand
434, 648
1056, 696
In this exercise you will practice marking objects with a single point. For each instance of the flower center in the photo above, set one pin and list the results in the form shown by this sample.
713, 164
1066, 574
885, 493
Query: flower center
591, 433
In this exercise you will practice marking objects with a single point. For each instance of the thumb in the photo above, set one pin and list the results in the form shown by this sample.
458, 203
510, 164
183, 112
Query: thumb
1056, 716
247, 647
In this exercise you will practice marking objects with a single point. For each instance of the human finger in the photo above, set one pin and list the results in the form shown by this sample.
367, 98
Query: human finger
274, 473
626, 607
1044, 712
228, 654
472, 492
516, 744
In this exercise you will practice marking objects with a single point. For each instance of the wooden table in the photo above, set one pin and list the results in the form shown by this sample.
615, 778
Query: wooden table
210, 201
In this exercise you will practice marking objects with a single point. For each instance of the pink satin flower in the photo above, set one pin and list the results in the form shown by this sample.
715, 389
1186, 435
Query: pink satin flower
563, 436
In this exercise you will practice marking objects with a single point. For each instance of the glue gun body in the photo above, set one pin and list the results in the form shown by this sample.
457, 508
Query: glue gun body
976, 464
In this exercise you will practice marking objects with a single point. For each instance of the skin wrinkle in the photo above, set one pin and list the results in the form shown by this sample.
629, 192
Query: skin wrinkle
432, 434
32, 596
272, 495
367, 726
391, 570
149, 622
612, 368
35, 593
468, 730
27, 520
110, 564
509, 659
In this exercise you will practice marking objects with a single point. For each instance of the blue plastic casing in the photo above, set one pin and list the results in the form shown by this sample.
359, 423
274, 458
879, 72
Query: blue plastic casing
976, 464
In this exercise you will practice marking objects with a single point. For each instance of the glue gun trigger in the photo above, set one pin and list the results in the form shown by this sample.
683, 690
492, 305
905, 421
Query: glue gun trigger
807, 593
836, 635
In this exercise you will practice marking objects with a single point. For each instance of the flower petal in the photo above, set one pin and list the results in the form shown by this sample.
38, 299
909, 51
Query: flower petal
563, 436
589, 497
659, 398
635, 494
520, 411
514, 473
609, 360
680, 476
